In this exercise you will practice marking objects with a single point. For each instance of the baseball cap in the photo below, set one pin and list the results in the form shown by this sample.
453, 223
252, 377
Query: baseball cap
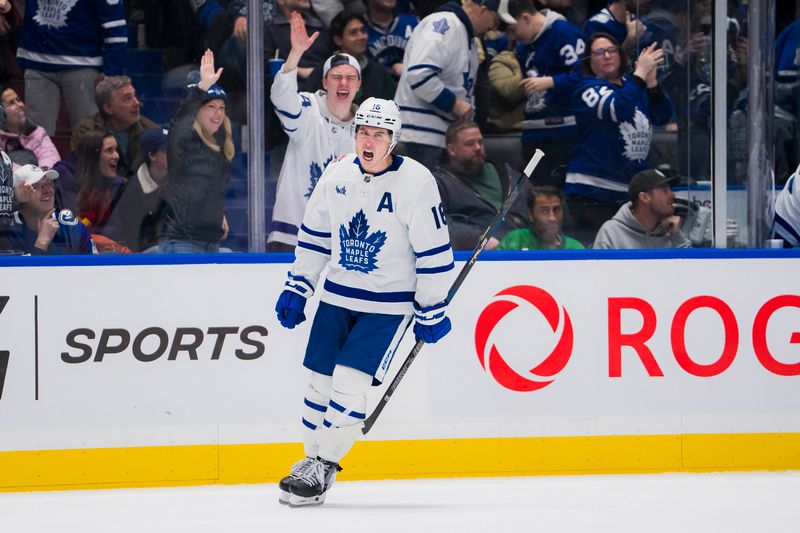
500, 7
153, 139
340, 59
31, 175
647, 180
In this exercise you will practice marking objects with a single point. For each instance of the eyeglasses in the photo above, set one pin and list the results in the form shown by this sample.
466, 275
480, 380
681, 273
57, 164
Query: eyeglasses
600, 52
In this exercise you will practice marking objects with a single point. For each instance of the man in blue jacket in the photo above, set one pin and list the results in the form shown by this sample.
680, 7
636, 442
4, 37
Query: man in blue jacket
39, 229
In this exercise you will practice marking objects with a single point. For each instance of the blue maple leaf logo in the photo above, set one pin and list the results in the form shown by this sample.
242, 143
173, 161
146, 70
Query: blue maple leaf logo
358, 249
441, 26
314, 173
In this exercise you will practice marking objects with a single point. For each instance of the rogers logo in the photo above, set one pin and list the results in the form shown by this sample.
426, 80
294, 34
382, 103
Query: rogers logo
492, 360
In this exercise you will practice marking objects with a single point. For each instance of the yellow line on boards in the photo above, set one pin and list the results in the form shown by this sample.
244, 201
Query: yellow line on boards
159, 466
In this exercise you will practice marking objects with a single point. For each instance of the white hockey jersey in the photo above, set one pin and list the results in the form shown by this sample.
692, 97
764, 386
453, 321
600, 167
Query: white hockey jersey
441, 63
316, 137
786, 223
384, 238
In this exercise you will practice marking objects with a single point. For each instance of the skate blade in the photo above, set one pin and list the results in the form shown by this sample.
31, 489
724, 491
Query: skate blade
300, 501
283, 499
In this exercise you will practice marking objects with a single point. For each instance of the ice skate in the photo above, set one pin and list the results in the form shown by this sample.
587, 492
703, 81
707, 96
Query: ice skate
285, 482
311, 483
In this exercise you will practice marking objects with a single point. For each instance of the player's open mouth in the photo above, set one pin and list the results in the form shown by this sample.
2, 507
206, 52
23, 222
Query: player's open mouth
342, 94
368, 155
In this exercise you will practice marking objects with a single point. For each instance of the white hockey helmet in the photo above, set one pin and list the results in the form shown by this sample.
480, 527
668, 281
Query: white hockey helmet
379, 113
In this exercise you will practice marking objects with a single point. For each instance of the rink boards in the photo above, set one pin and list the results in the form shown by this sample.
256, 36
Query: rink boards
146, 372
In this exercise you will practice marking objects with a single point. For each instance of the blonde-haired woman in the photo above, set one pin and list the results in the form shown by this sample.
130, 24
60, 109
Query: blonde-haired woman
199, 153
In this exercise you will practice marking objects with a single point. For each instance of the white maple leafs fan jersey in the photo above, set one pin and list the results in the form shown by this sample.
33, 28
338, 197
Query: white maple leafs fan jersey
441, 63
316, 137
384, 238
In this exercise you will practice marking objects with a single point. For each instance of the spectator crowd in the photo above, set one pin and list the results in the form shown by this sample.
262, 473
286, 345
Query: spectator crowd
616, 93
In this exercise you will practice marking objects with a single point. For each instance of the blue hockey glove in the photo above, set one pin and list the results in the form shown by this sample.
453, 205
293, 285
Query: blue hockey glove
290, 308
431, 333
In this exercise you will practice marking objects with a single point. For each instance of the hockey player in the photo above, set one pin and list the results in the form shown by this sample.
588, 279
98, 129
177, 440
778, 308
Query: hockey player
318, 126
376, 221
549, 50
440, 67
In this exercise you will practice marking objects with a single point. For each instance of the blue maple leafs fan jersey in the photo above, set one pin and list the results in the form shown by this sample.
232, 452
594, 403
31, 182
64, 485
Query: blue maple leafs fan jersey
388, 45
556, 51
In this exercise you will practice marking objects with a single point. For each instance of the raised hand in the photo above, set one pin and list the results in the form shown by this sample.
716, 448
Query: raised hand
208, 76
648, 61
300, 39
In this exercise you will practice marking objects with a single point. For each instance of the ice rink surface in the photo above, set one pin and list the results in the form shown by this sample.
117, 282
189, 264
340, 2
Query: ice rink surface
721, 502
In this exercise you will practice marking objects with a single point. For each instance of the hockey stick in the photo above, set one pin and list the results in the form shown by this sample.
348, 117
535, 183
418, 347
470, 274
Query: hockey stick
487, 234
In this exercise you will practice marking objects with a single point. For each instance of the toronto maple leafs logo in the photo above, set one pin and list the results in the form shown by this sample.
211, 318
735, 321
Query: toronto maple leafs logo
358, 248
53, 13
536, 101
314, 173
5, 170
441, 26
341, 190
636, 136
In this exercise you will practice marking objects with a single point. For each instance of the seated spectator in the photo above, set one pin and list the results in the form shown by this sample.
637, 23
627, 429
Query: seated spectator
134, 223
546, 213
119, 113
39, 229
318, 125
349, 35
200, 150
786, 221
99, 186
388, 34
648, 220
615, 113
21, 139
473, 189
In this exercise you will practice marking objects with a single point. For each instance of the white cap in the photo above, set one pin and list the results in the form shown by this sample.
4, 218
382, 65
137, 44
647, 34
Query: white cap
341, 59
31, 175
502, 12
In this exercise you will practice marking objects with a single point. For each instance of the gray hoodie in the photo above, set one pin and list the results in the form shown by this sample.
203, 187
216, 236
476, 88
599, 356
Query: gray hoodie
623, 231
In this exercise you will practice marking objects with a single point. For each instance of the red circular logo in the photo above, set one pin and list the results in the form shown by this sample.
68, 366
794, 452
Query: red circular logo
490, 358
